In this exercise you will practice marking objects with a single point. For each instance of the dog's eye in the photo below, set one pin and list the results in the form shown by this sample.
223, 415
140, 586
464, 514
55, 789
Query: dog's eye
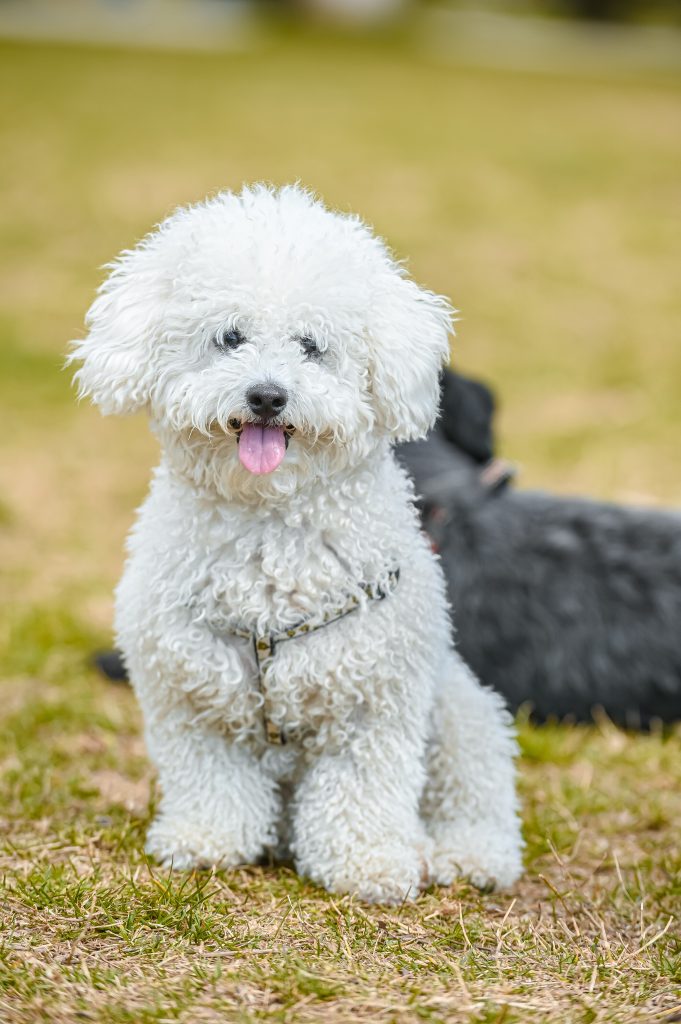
309, 347
229, 338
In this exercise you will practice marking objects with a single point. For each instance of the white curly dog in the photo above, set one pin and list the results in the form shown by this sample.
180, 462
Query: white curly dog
281, 614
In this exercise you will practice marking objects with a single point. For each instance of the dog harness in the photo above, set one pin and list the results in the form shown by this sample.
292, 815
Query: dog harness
264, 644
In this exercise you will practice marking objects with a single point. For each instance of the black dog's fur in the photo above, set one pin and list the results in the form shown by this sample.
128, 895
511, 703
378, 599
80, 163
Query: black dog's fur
561, 604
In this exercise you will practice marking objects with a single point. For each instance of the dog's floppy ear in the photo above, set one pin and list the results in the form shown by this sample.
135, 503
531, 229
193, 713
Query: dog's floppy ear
117, 356
410, 330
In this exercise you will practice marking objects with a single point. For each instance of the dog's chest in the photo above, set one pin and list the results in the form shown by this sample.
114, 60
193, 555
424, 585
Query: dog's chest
270, 580
270, 577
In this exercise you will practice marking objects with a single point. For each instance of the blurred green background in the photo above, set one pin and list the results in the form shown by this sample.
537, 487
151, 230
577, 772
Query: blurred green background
546, 205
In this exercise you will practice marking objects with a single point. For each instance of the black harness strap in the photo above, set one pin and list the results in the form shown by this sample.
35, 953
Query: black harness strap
265, 644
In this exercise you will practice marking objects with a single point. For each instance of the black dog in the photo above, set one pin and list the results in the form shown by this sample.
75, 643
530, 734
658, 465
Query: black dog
560, 604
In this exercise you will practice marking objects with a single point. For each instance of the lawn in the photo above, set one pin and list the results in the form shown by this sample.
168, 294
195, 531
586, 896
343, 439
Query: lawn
547, 206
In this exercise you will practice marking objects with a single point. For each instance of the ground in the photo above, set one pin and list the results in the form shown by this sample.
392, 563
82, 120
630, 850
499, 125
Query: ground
547, 207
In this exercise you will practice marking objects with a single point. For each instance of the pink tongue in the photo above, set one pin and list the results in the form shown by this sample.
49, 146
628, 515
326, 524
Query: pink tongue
261, 449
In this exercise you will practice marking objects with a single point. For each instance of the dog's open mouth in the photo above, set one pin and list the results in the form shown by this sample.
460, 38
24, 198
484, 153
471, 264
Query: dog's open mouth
262, 446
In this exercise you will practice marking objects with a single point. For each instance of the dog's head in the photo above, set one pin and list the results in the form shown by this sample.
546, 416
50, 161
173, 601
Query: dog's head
263, 332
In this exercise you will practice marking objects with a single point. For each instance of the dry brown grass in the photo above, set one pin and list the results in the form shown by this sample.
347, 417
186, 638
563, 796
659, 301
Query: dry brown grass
91, 931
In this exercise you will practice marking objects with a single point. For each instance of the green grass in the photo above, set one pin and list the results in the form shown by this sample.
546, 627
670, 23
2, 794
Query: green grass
544, 205
92, 931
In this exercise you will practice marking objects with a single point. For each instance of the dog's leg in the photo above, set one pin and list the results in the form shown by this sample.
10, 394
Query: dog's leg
469, 804
356, 826
218, 806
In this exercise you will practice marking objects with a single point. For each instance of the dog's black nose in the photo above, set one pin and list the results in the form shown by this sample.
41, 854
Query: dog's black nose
266, 400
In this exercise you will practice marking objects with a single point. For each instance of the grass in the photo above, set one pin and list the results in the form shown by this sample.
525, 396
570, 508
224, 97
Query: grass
92, 931
544, 206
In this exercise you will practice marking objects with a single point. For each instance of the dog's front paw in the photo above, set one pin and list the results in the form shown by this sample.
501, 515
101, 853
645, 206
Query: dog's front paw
389, 873
183, 845
488, 857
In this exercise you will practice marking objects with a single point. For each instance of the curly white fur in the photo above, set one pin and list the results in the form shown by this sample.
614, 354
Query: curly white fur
398, 768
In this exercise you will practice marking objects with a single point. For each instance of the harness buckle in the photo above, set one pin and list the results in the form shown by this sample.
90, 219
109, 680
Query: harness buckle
264, 644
